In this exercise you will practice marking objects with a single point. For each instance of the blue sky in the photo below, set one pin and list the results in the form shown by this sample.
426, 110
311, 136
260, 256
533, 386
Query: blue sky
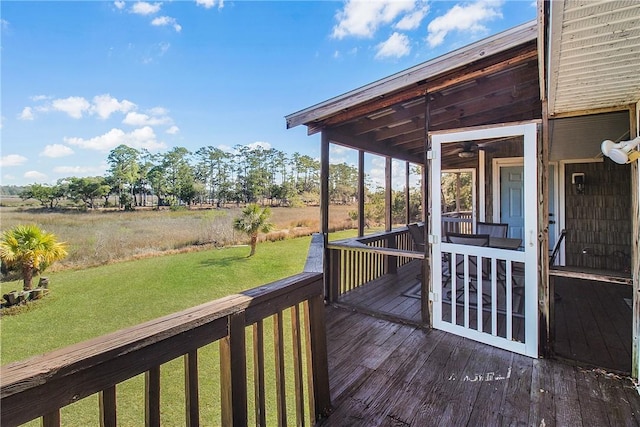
82, 77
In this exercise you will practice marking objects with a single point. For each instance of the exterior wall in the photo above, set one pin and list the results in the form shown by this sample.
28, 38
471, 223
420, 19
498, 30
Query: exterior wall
598, 221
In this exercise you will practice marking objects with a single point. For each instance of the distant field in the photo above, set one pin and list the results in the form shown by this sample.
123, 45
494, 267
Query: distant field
104, 236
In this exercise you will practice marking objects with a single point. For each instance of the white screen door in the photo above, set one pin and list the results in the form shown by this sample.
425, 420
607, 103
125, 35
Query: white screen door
485, 287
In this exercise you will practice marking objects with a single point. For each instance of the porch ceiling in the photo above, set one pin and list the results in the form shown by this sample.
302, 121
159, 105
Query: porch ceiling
594, 56
493, 81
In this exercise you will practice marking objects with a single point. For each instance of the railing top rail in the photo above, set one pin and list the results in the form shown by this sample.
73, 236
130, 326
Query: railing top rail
60, 377
361, 244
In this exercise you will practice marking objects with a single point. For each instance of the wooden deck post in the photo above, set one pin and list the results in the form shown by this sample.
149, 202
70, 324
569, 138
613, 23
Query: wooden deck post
634, 112
391, 261
324, 204
407, 193
317, 361
426, 209
233, 373
361, 194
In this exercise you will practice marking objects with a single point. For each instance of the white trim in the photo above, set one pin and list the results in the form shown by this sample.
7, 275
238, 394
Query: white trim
482, 196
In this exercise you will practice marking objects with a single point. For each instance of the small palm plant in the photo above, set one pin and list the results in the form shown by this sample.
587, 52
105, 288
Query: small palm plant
253, 220
31, 250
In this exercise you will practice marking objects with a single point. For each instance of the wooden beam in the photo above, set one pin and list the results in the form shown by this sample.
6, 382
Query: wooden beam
545, 301
427, 285
369, 146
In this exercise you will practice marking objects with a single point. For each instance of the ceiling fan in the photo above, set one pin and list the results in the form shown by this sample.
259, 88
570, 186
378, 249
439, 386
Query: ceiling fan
470, 149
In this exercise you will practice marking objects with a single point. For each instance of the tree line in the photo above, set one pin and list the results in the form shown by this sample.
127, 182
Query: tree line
209, 175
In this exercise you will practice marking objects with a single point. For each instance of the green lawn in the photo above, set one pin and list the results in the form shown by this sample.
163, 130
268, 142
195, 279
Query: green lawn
92, 302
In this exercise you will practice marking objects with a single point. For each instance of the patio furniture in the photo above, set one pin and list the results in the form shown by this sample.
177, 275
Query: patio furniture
417, 235
493, 229
473, 240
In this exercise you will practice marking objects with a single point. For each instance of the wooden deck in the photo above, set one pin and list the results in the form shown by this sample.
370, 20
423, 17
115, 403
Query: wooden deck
593, 319
593, 323
383, 373
390, 295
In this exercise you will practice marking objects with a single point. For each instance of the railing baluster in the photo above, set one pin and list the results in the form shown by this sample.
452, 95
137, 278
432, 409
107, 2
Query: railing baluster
51, 419
107, 402
297, 364
281, 390
233, 373
191, 392
152, 397
258, 373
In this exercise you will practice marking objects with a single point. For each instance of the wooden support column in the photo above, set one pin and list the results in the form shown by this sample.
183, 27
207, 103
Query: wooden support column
635, 248
546, 309
388, 220
407, 193
324, 204
426, 210
545, 286
391, 261
361, 194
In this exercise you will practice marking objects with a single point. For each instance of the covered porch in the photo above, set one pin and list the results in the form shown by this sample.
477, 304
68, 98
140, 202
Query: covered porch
529, 152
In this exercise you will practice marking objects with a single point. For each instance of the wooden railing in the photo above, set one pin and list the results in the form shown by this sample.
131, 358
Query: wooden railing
41, 386
355, 262
457, 222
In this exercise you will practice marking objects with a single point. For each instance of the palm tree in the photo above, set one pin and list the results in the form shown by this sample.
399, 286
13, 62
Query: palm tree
254, 219
30, 249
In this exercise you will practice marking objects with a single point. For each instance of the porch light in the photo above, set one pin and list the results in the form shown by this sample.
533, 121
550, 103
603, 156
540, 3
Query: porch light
466, 154
621, 152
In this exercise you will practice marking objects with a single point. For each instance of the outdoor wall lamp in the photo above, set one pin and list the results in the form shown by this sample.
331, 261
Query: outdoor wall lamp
577, 179
621, 152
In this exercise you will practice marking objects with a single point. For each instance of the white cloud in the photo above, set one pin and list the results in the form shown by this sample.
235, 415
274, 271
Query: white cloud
139, 119
35, 175
8, 177
26, 114
468, 18
12, 160
162, 21
119, 4
4, 24
412, 20
396, 46
38, 98
208, 4
139, 138
259, 144
362, 18
74, 106
105, 105
56, 150
173, 130
145, 8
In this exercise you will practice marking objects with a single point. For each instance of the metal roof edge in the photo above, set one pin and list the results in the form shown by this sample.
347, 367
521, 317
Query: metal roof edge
492, 45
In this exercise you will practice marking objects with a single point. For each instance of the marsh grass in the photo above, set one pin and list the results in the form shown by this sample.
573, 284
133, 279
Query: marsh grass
105, 236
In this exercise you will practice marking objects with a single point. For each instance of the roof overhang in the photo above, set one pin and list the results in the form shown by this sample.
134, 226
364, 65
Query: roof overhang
457, 59
594, 57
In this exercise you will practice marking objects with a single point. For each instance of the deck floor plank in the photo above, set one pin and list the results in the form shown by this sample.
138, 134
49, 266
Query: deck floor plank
420, 377
593, 321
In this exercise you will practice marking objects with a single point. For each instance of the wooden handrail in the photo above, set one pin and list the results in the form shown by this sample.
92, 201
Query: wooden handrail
40, 386
356, 261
